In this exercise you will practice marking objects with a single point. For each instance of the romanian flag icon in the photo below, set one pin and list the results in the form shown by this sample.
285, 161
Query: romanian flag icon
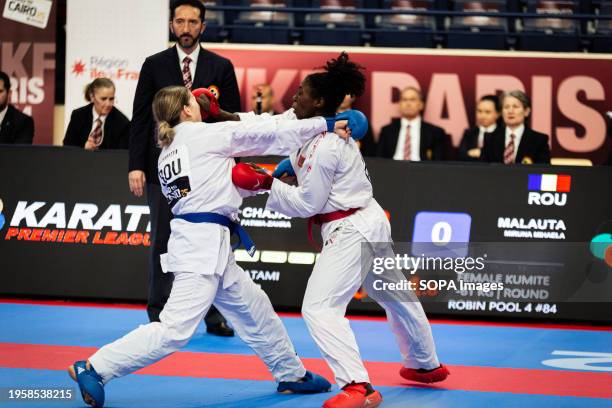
559, 183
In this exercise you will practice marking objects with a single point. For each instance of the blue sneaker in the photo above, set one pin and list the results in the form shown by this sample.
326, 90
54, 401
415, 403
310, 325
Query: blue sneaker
311, 384
90, 383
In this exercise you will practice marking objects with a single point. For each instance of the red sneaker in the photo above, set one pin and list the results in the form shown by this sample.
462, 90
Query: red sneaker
354, 396
425, 376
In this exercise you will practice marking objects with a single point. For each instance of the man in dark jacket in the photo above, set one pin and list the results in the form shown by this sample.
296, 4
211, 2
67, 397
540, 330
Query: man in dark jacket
410, 137
185, 64
15, 126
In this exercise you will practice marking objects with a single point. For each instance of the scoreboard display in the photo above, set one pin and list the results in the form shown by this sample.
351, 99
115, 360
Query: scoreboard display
470, 239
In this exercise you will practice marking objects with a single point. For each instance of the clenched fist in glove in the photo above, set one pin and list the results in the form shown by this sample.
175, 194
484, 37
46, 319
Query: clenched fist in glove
284, 168
249, 176
351, 122
357, 122
209, 105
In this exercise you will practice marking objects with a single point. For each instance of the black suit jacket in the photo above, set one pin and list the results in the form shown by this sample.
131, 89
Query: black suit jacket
116, 128
534, 145
161, 70
469, 141
17, 127
433, 141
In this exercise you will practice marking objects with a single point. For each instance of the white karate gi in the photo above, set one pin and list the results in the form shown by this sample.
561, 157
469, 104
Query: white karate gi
332, 176
195, 174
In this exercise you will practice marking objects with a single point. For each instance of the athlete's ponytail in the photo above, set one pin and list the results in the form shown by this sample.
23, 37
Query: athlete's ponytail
167, 106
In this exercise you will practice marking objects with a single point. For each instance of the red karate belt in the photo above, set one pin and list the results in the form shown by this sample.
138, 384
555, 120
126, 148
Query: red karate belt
321, 219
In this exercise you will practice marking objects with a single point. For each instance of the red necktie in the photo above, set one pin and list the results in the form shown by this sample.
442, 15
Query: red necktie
96, 135
407, 147
509, 151
187, 73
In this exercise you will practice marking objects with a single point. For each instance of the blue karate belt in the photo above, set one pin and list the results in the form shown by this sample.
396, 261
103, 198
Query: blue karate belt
235, 228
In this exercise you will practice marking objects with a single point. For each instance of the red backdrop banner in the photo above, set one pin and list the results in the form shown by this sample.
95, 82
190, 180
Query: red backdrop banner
570, 93
27, 55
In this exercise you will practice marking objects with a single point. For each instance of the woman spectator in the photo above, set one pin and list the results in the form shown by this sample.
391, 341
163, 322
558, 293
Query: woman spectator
487, 118
98, 125
515, 142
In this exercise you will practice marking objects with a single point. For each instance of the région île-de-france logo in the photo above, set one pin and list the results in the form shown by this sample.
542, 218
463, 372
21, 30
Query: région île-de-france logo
78, 68
548, 189
113, 67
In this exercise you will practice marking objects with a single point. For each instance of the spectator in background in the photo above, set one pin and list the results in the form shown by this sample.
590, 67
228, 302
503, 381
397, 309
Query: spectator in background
367, 145
98, 125
192, 66
515, 142
487, 116
15, 127
262, 100
410, 137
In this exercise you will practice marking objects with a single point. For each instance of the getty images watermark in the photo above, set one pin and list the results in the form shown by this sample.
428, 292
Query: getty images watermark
387, 278
477, 273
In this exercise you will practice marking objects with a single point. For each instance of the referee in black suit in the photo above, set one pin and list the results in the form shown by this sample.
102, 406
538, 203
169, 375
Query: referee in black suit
515, 141
185, 64
98, 125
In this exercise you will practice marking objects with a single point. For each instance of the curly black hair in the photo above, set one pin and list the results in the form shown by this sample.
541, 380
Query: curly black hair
341, 77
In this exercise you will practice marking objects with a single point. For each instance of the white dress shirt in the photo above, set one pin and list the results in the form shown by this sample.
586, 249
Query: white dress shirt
3, 114
194, 60
481, 132
518, 134
415, 139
